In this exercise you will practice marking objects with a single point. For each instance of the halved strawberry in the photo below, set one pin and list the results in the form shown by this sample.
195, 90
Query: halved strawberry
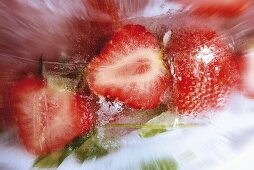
49, 117
130, 69
203, 68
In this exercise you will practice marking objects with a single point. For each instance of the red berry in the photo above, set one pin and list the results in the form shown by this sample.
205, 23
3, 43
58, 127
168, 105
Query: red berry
47, 117
130, 69
203, 69
222, 8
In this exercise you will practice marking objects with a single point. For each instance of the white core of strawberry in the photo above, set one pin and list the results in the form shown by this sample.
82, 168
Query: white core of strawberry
63, 112
47, 120
108, 74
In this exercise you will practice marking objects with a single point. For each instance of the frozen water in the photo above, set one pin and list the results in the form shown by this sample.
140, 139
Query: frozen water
30, 29
107, 110
227, 137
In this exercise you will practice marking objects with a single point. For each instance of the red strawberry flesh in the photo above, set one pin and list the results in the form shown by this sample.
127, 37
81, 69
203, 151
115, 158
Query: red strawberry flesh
130, 69
49, 118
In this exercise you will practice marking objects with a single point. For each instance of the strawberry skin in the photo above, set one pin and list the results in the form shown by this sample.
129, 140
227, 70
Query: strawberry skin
203, 69
130, 69
221, 8
49, 118
245, 63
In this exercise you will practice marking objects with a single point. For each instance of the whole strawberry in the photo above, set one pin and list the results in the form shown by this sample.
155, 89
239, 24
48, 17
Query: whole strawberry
203, 69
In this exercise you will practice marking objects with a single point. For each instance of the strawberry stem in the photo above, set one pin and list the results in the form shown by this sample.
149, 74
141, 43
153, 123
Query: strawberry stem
54, 159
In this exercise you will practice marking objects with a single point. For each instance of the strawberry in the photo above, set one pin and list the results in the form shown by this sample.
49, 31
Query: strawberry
203, 69
130, 69
245, 62
222, 8
49, 117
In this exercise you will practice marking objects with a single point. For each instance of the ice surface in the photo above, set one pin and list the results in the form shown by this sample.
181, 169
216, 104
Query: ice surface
227, 137
78, 29
107, 110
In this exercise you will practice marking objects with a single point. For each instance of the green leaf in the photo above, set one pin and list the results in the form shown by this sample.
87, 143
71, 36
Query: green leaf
54, 159
59, 82
63, 75
158, 124
135, 119
80, 140
160, 164
90, 149
49, 161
